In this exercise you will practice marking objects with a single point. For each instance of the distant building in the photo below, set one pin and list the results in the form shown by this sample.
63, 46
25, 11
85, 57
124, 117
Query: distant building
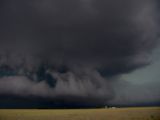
108, 107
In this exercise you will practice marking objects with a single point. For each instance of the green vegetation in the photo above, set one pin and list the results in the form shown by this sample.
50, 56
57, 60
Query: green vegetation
83, 114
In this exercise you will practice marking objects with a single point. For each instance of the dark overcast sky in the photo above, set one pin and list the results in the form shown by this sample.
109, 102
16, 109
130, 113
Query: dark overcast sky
86, 52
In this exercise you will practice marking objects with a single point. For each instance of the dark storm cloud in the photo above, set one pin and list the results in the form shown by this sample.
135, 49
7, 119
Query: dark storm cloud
75, 47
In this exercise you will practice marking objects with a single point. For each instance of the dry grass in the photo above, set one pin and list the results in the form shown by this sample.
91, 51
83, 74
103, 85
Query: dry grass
83, 114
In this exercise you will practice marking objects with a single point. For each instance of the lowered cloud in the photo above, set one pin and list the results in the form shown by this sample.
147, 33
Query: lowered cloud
67, 49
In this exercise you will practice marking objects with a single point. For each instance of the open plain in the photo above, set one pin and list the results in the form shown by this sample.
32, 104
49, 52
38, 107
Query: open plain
145, 113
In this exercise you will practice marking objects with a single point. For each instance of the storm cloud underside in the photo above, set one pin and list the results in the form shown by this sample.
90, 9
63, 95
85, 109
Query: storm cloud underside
66, 50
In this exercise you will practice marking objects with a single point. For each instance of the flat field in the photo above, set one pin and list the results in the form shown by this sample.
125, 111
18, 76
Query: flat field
150, 113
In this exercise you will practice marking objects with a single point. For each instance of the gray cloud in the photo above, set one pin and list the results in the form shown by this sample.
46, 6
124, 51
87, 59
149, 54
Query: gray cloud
73, 48
136, 94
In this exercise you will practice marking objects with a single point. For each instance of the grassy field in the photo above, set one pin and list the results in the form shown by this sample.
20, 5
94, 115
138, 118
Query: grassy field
83, 114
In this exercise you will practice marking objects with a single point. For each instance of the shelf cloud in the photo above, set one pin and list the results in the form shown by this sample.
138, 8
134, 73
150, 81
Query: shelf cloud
58, 49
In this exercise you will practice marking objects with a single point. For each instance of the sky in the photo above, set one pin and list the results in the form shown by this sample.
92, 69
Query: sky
79, 53
148, 74
144, 81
